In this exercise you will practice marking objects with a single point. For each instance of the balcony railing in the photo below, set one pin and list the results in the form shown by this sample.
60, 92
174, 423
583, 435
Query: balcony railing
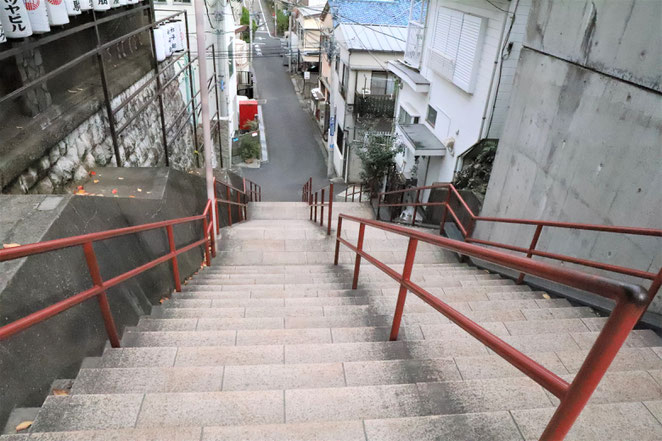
375, 106
414, 47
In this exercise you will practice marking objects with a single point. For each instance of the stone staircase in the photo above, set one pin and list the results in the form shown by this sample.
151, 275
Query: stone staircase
271, 343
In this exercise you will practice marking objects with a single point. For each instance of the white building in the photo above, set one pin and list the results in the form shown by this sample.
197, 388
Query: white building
456, 75
226, 68
360, 80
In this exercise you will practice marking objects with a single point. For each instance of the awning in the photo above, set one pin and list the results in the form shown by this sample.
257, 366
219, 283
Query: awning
420, 139
410, 76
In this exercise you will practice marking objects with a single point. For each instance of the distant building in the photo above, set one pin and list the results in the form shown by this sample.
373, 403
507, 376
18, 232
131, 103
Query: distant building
456, 77
359, 38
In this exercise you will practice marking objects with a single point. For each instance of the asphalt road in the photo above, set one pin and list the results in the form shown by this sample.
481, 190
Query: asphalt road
291, 134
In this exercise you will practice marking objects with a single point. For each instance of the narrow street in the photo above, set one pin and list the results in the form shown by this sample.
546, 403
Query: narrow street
292, 136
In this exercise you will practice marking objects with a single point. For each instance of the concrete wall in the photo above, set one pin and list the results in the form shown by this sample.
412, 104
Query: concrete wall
582, 139
32, 359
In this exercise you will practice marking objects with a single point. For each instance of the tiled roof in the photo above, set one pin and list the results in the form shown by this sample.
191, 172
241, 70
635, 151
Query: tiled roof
375, 12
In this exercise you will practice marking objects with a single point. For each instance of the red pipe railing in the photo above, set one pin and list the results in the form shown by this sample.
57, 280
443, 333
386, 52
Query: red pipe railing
354, 192
311, 198
453, 198
631, 302
241, 199
101, 286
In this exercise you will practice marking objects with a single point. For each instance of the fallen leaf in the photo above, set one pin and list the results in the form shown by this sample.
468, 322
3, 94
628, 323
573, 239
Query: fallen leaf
60, 392
96, 181
545, 296
163, 299
114, 191
140, 189
92, 173
132, 196
24, 425
80, 187
11, 245
120, 178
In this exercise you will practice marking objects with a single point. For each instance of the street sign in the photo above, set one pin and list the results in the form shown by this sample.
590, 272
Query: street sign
306, 75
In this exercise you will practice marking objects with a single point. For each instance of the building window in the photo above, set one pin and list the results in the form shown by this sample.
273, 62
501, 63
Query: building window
431, 117
381, 83
340, 139
405, 118
344, 80
231, 58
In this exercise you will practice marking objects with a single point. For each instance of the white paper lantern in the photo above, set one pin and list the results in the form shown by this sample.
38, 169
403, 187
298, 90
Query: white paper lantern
73, 7
180, 31
57, 12
3, 38
101, 5
85, 5
159, 44
38, 16
14, 19
171, 33
123, 3
115, 4
132, 2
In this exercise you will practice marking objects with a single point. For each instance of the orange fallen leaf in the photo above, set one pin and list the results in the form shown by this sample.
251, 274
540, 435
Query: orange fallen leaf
163, 299
546, 296
60, 392
96, 181
131, 196
11, 245
80, 187
24, 425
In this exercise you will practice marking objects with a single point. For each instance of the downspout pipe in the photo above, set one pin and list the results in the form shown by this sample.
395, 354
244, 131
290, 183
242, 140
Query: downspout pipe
497, 60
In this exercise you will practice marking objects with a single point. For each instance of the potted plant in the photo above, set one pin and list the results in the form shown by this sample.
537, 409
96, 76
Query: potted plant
250, 149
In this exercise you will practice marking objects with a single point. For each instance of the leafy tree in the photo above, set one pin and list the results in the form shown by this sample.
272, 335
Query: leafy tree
282, 21
378, 156
245, 18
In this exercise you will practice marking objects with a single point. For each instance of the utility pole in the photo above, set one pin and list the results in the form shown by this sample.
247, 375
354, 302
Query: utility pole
289, 43
204, 102
331, 53
275, 18
250, 36
222, 68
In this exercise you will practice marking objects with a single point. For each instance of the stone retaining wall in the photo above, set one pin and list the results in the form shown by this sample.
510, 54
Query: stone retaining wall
90, 144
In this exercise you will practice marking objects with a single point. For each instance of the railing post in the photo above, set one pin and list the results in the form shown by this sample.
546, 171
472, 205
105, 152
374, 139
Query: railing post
413, 218
357, 263
614, 333
205, 225
338, 228
310, 203
360, 192
218, 211
322, 210
315, 217
346, 190
244, 182
227, 204
241, 214
534, 242
353, 191
328, 226
95, 274
402, 294
175, 265
445, 213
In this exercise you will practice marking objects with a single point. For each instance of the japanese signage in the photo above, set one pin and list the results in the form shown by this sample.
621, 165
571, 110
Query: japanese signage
14, 19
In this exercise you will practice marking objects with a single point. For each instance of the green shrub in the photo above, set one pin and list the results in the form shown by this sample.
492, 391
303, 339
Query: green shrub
250, 148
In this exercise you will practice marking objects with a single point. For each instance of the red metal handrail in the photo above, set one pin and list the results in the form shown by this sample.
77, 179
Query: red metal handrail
311, 198
240, 195
631, 302
468, 229
101, 286
254, 191
354, 192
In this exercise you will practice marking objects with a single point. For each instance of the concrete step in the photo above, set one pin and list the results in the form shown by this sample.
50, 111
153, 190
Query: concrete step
598, 422
298, 269
207, 335
158, 410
